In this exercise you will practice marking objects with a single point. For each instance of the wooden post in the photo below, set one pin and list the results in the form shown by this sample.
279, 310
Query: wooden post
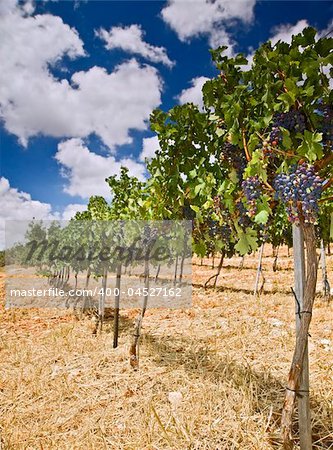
303, 400
116, 308
259, 270
157, 272
183, 259
101, 301
134, 348
176, 271
298, 378
325, 283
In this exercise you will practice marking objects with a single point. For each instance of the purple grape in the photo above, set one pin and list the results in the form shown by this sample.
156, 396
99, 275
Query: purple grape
300, 191
252, 190
234, 156
292, 121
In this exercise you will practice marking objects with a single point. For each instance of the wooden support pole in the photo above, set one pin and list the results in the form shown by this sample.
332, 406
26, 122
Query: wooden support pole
325, 283
303, 399
134, 348
101, 301
259, 270
116, 307
157, 272
176, 271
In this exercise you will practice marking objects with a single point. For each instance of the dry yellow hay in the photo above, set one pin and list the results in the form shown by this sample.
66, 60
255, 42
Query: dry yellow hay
211, 377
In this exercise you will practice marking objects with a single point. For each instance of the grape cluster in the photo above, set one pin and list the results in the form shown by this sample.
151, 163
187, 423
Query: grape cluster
300, 191
234, 156
216, 230
188, 213
252, 189
327, 124
291, 120
243, 220
275, 136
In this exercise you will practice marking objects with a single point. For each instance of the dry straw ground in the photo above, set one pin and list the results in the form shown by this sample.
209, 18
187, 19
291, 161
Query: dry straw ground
211, 377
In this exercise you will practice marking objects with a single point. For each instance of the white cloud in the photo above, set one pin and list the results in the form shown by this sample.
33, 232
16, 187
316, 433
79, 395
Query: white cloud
19, 206
285, 32
149, 147
7, 6
86, 171
33, 101
191, 19
16, 205
71, 209
130, 39
218, 37
194, 93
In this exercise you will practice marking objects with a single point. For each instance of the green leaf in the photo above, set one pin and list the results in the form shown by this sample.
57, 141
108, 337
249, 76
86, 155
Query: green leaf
261, 217
200, 248
288, 98
219, 132
195, 208
247, 242
286, 140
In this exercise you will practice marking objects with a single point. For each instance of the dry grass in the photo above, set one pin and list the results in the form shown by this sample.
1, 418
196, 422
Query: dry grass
227, 358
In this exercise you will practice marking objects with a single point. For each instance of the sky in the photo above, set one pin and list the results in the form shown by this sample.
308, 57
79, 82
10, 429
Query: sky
79, 79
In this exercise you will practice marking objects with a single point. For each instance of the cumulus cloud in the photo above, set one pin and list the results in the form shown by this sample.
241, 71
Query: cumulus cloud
86, 171
33, 101
131, 40
16, 205
285, 32
71, 209
19, 206
149, 147
191, 19
193, 94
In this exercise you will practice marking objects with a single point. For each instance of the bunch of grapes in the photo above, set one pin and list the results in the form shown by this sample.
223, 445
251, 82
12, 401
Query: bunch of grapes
300, 191
188, 213
243, 220
217, 231
275, 137
212, 227
225, 232
252, 189
327, 124
292, 120
234, 156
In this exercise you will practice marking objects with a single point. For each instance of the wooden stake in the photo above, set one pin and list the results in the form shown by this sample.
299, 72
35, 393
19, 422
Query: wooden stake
176, 271
101, 302
134, 348
298, 380
183, 259
116, 308
259, 271
326, 288
157, 272
303, 401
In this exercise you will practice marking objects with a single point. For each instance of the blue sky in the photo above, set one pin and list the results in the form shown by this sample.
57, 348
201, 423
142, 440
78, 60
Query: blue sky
80, 79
